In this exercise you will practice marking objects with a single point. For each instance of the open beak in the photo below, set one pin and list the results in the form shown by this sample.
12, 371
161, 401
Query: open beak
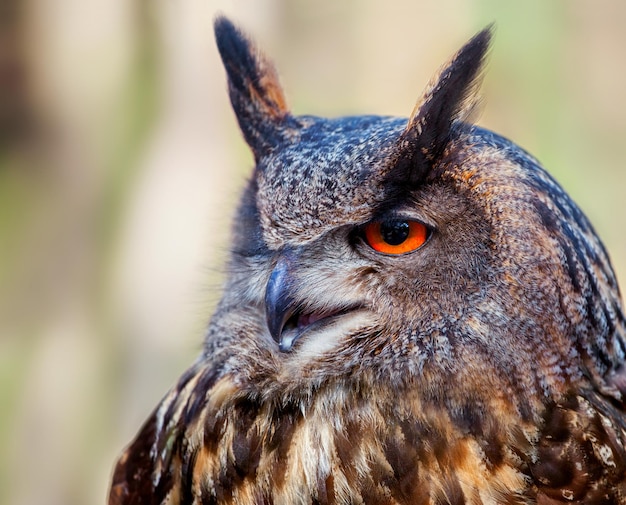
289, 316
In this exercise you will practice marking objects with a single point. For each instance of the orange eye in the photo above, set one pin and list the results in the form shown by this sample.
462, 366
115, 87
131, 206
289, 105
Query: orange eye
396, 236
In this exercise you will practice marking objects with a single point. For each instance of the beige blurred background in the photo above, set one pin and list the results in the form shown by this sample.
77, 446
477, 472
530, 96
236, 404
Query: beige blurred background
120, 164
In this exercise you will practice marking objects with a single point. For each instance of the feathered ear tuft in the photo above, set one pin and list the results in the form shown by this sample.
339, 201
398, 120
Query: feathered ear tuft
255, 91
446, 102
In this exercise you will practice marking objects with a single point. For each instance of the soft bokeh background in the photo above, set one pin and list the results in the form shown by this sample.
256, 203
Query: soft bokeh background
120, 164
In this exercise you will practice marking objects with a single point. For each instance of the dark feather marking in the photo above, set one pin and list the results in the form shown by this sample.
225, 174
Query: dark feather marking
371, 493
404, 460
590, 309
553, 469
598, 345
325, 490
540, 180
223, 487
571, 242
246, 445
169, 474
347, 448
207, 495
416, 432
571, 265
213, 431
618, 311
198, 395
610, 317
189, 374
621, 320
547, 215
493, 447
187, 471
469, 418
584, 253
621, 344
285, 423
263, 499
452, 492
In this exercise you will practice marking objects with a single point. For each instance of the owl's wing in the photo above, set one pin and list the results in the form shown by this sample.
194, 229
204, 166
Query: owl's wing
157, 464
580, 454
132, 481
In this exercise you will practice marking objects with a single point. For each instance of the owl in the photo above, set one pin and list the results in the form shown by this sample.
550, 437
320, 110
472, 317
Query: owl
415, 312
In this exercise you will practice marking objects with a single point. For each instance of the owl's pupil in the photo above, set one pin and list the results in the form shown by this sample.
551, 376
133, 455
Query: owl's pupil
394, 232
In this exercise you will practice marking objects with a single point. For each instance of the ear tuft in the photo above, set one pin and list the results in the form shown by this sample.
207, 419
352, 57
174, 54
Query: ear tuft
446, 102
254, 88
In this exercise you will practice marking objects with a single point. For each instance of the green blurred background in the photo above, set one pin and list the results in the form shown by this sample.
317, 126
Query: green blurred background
120, 164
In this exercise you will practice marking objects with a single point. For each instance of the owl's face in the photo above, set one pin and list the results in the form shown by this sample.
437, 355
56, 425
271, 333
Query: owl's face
421, 250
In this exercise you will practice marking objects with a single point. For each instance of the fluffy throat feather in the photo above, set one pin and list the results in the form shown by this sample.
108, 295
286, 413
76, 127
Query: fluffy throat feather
349, 444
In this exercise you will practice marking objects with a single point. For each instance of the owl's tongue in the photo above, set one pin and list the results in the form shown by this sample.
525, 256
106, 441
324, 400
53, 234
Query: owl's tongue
307, 319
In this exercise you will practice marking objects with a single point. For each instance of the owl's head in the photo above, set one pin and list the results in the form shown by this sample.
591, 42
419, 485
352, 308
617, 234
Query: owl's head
425, 249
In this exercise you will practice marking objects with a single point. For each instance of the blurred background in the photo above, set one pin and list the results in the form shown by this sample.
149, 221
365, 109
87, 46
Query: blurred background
121, 162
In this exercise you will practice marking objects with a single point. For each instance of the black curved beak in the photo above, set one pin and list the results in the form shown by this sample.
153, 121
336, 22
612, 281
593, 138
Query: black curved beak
280, 304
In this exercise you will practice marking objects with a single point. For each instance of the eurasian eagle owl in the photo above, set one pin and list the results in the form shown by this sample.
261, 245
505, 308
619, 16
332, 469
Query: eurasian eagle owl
415, 312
